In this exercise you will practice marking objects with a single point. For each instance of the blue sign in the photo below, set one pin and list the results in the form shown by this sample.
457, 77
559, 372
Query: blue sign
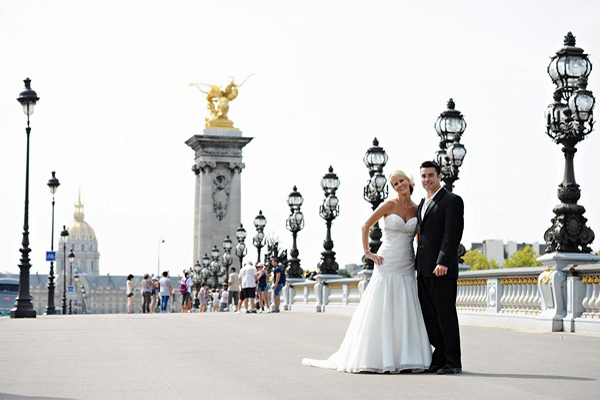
50, 256
69, 288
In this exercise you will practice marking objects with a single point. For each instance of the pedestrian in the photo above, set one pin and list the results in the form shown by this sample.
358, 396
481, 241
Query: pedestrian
166, 290
278, 282
262, 288
154, 305
203, 297
146, 294
248, 282
185, 288
215, 299
130, 288
233, 289
223, 300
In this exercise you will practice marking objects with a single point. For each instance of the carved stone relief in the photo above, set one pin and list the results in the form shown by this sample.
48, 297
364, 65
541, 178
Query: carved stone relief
220, 196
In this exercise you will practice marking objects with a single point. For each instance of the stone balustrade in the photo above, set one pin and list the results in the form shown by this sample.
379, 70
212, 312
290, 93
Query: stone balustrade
539, 298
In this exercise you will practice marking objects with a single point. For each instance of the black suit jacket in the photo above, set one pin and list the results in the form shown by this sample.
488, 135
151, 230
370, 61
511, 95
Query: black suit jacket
440, 232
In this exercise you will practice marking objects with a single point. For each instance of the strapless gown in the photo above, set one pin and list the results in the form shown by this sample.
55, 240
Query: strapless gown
386, 332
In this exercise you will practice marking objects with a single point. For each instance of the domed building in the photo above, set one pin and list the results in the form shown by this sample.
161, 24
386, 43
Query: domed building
82, 240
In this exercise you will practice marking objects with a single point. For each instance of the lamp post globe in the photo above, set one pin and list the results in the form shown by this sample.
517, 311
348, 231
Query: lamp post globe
23, 305
450, 126
240, 248
227, 259
53, 184
568, 123
64, 236
329, 210
259, 223
71, 261
375, 192
294, 224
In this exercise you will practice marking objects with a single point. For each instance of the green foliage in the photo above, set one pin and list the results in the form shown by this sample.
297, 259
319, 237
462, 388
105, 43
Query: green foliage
525, 257
343, 273
478, 261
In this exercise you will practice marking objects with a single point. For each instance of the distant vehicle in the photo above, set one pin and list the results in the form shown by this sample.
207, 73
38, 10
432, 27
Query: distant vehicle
9, 289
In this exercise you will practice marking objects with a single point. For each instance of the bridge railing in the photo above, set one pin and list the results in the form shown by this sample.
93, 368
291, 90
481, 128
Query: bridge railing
539, 298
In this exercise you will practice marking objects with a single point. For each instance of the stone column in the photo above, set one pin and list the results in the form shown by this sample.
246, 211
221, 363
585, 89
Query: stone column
217, 205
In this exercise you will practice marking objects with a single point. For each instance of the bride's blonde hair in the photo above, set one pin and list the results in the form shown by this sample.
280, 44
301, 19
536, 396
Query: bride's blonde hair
401, 174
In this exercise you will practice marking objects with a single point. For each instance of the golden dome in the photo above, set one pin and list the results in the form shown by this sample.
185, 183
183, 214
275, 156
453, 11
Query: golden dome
79, 229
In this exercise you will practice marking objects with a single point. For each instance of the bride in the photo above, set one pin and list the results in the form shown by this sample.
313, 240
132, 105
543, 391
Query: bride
387, 332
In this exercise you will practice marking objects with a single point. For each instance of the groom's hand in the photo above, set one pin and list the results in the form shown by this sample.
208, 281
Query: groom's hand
440, 270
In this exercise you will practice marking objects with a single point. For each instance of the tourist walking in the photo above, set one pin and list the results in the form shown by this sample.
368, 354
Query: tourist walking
278, 282
203, 297
154, 305
248, 283
223, 300
129, 290
262, 288
215, 300
166, 289
233, 289
146, 294
185, 288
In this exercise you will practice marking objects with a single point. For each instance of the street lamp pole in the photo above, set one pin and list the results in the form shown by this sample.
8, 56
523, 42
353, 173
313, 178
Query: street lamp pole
240, 248
294, 224
53, 184
259, 223
375, 192
64, 235
215, 265
23, 306
329, 210
227, 259
568, 123
71, 259
160, 241
450, 126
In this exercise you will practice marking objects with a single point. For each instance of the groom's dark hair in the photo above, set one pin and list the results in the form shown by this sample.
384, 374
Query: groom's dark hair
432, 164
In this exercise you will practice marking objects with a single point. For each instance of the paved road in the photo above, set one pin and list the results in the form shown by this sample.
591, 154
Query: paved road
239, 356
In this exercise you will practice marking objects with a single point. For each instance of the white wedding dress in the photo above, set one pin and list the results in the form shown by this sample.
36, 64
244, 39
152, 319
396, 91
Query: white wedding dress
387, 332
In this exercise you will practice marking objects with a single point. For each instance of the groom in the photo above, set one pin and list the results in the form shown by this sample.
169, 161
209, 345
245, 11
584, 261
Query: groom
440, 219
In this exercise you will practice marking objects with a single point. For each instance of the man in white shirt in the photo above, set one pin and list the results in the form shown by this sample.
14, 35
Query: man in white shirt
248, 282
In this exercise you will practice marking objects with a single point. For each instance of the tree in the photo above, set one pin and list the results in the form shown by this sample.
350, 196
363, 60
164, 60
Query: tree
478, 261
525, 257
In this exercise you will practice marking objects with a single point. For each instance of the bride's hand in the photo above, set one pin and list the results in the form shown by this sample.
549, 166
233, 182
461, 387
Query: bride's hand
378, 260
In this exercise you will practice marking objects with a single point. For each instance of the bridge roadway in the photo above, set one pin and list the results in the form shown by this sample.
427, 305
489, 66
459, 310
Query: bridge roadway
239, 356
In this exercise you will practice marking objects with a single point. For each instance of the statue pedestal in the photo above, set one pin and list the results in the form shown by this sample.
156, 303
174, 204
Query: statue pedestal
552, 287
217, 205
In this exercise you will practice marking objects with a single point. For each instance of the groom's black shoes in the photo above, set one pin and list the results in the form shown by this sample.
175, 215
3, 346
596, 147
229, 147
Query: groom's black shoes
446, 369
433, 369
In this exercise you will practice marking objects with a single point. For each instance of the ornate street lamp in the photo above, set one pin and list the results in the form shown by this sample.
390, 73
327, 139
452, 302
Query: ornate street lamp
375, 192
240, 248
227, 259
23, 306
205, 273
161, 240
329, 210
259, 223
569, 123
450, 127
76, 278
83, 300
294, 224
64, 236
215, 266
197, 282
71, 260
53, 184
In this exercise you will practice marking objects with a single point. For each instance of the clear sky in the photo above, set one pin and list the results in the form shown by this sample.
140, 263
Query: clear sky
116, 109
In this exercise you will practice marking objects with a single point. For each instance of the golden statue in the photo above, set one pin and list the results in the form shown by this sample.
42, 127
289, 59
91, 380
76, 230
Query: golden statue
218, 103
